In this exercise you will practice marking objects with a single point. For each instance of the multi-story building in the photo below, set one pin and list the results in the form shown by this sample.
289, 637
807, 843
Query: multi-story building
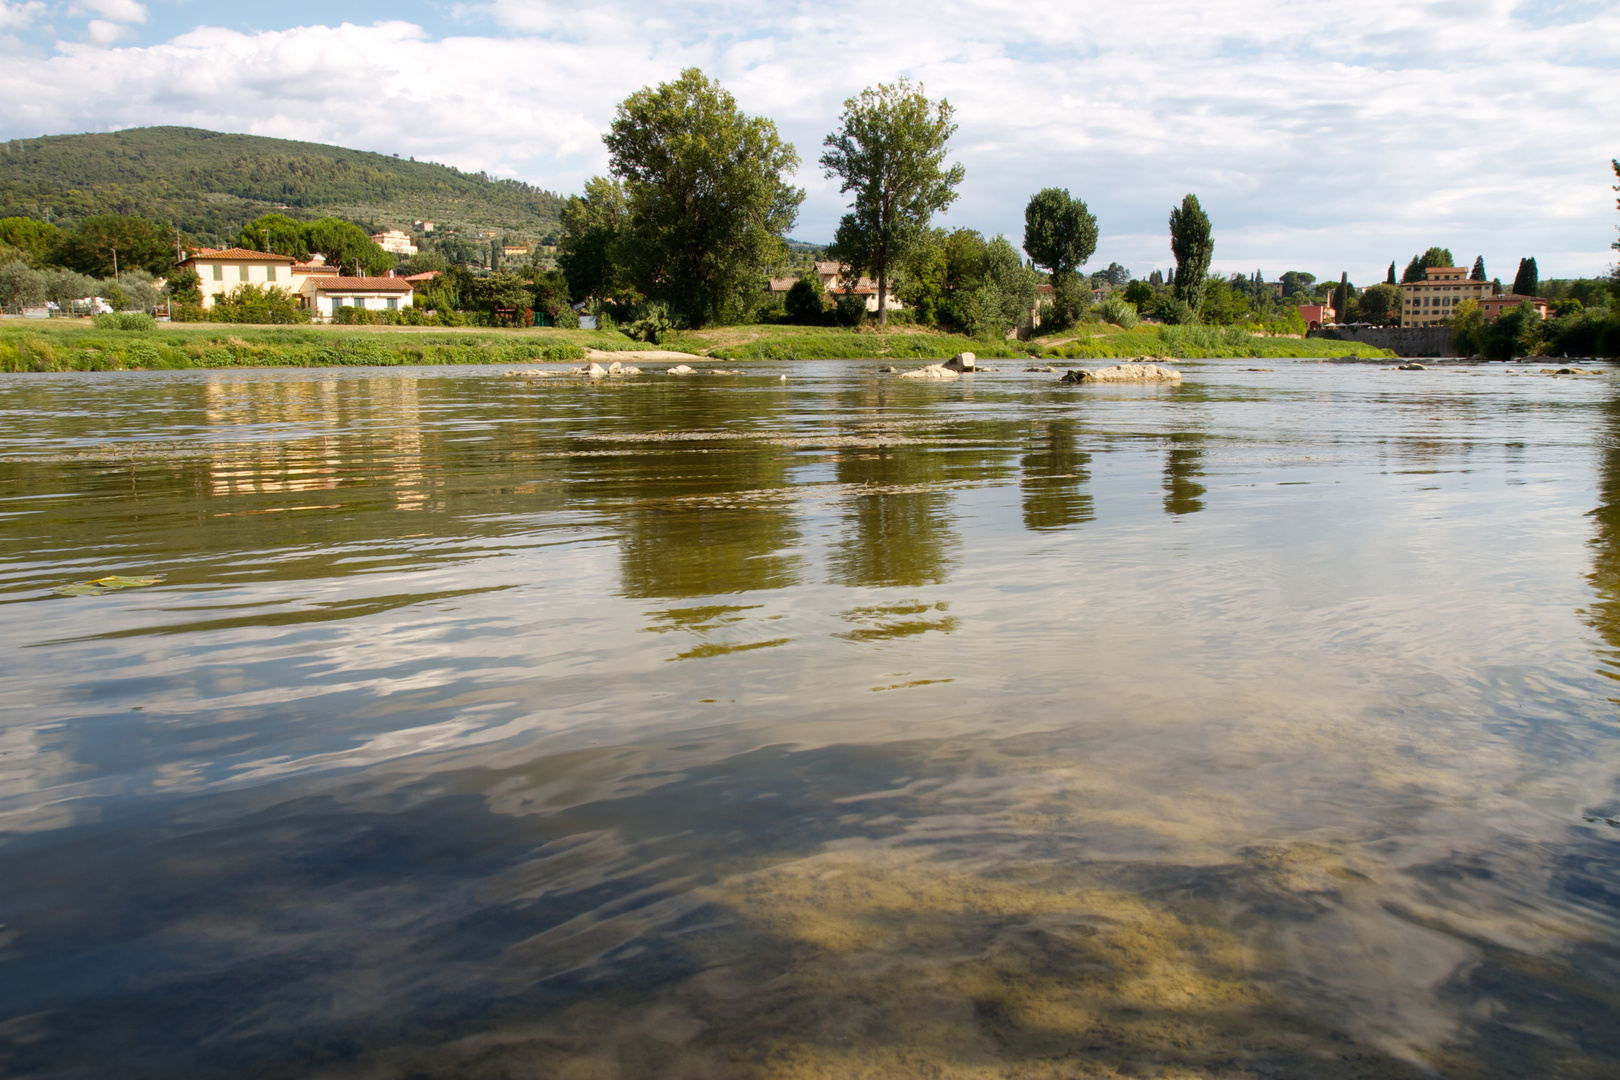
1492, 306
224, 270
395, 242
1430, 302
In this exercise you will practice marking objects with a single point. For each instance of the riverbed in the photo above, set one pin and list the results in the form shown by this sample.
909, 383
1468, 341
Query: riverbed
447, 724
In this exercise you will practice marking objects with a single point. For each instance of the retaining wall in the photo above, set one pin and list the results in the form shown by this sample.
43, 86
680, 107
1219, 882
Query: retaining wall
1401, 340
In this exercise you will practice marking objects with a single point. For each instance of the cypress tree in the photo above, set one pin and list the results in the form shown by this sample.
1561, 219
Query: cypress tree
1524, 282
1391, 279
1341, 296
1192, 245
1478, 273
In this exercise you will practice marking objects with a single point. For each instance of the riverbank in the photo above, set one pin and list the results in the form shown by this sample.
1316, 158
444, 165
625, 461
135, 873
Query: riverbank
74, 345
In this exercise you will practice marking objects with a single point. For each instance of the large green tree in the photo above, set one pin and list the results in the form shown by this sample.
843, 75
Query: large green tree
34, 240
1379, 304
96, 242
889, 150
348, 247
1526, 280
277, 233
592, 231
707, 205
1192, 245
1060, 234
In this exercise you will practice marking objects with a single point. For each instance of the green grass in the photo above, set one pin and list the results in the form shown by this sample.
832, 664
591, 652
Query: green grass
1103, 342
80, 346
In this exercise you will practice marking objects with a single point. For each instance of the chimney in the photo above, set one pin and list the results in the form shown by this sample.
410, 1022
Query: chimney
390, 273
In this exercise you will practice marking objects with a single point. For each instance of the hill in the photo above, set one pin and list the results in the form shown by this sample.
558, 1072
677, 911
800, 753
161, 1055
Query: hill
209, 184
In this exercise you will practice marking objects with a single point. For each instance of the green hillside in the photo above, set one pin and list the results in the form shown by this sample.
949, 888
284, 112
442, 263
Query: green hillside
210, 183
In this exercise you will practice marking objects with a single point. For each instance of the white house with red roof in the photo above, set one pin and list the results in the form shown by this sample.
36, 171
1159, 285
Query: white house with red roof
324, 293
224, 269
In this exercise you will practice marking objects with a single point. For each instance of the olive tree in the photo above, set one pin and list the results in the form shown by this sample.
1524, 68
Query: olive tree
706, 205
889, 150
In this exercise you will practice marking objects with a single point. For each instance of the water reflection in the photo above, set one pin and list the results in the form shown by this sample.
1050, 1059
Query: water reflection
717, 729
1183, 465
1055, 475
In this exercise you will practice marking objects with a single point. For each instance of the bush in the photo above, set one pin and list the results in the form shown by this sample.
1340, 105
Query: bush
1175, 312
851, 310
805, 303
125, 320
253, 304
652, 323
1117, 311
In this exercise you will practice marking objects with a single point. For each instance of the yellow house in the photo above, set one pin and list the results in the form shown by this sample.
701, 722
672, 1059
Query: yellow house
1430, 302
223, 270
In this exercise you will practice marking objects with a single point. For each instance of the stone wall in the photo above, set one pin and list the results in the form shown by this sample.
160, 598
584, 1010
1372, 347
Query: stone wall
1401, 340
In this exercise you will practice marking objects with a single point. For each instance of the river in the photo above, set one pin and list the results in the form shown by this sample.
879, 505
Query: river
826, 726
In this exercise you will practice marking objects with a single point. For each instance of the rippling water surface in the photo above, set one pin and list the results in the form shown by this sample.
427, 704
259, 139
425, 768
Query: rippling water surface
828, 727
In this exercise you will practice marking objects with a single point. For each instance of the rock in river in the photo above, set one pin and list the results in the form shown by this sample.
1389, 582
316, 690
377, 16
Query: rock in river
1125, 373
932, 371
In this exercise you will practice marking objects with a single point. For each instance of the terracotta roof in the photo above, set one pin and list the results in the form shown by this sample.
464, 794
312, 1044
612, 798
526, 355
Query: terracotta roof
364, 284
316, 268
427, 275
238, 253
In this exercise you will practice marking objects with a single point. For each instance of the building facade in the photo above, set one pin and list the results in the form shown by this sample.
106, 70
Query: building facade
324, 294
223, 270
395, 242
1492, 306
1430, 302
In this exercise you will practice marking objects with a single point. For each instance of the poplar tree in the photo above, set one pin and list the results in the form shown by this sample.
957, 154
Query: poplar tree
889, 150
1192, 245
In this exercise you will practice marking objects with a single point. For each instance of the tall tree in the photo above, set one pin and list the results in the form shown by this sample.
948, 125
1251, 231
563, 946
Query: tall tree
889, 150
1060, 234
1526, 280
1192, 245
277, 233
706, 204
1341, 296
1390, 280
592, 228
348, 247
34, 239
1478, 272
1435, 256
97, 243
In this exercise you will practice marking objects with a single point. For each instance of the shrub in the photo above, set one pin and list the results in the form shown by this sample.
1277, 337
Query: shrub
1117, 311
851, 310
255, 304
125, 320
805, 303
652, 323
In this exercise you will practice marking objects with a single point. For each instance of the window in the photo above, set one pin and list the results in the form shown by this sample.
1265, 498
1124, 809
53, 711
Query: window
359, 302
242, 270
219, 272
270, 273
393, 303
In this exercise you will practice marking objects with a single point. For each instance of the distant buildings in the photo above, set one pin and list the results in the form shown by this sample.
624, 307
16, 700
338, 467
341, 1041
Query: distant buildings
422, 226
1431, 301
1317, 316
225, 269
830, 275
320, 289
1492, 306
395, 242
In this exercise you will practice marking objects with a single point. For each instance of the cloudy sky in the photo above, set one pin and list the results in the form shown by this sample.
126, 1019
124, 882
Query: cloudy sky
1320, 136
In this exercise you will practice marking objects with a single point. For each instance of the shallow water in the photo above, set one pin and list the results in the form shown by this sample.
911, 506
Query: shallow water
835, 726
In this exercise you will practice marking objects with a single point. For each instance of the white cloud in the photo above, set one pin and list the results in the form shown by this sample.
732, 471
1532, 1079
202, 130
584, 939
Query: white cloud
19, 16
123, 11
102, 32
1318, 136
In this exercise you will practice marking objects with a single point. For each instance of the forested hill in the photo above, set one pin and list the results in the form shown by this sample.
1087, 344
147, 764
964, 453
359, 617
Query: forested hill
209, 183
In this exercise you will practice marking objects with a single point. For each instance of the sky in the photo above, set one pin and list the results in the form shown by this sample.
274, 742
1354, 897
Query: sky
1326, 137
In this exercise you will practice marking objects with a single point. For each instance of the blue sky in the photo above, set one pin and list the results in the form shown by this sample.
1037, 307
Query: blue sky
1320, 136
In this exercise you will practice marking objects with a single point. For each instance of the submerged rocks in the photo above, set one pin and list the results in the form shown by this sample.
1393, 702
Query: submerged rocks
962, 361
1412, 366
932, 371
679, 369
1048, 369
1125, 373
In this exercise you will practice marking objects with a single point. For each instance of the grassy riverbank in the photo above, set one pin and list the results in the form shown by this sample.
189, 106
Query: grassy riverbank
75, 345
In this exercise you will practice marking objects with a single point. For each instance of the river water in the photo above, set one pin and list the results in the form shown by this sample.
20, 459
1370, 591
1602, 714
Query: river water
834, 726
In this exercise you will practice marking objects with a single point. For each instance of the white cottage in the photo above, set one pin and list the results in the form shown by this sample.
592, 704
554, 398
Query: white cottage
324, 294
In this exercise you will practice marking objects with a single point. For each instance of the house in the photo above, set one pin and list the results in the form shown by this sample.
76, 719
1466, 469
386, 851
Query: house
224, 269
422, 226
395, 242
1492, 306
831, 276
1317, 316
419, 280
1431, 301
512, 251
325, 293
